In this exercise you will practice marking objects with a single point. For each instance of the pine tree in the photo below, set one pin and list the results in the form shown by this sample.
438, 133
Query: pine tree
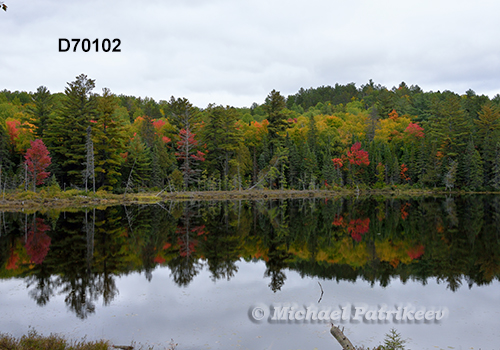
109, 138
222, 138
67, 132
40, 111
276, 115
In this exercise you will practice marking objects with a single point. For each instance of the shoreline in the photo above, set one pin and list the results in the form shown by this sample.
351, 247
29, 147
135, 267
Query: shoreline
39, 201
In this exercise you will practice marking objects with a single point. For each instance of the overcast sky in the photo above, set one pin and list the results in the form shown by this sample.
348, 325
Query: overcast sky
234, 52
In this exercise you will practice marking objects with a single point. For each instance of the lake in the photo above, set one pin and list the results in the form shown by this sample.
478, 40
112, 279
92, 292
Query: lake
258, 274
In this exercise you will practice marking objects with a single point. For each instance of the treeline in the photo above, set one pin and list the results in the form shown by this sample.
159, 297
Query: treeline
326, 137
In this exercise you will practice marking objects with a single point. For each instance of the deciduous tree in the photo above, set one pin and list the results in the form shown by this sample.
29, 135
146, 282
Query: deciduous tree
37, 160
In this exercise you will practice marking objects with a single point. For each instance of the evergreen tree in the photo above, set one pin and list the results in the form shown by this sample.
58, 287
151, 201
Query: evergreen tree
472, 168
495, 169
40, 111
109, 138
222, 138
67, 132
488, 132
276, 116
137, 168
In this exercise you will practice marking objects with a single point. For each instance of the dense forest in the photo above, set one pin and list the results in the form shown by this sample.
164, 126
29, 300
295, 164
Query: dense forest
320, 138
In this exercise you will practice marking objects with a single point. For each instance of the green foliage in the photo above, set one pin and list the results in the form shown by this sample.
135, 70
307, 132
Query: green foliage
67, 132
425, 131
109, 138
393, 341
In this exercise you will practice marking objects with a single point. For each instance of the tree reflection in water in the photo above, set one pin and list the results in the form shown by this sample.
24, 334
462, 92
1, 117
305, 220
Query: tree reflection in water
377, 239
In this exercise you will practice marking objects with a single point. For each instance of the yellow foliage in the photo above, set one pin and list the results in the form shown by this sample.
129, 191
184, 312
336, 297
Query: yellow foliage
392, 129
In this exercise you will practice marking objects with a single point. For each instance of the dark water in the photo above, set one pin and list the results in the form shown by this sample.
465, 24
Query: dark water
193, 271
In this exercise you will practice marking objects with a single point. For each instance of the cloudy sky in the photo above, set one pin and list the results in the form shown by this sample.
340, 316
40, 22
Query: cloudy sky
234, 52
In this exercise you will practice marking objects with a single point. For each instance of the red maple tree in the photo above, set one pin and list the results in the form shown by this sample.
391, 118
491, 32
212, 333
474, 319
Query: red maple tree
38, 242
415, 130
37, 160
358, 227
357, 155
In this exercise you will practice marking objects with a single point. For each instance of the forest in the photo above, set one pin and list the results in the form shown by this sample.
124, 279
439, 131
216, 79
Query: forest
328, 137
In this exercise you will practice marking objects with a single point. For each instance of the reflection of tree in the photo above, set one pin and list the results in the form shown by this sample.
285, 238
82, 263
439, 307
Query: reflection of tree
454, 240
222, 243
37, 242
275, 238
186, 265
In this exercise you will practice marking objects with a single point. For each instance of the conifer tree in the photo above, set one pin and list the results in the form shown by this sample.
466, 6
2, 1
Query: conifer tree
40, 111
67, 132
109, 138
276, 115
495, 170
222, 138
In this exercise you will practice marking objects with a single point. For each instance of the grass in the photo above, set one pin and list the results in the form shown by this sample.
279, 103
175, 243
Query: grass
35, 341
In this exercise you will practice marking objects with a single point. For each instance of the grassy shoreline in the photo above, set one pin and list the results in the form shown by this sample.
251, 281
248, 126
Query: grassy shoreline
19, 201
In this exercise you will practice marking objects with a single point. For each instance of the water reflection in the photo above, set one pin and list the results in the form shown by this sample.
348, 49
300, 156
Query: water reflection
79, 254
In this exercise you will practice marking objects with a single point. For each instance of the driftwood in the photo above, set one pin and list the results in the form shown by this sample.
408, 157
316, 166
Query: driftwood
344, 342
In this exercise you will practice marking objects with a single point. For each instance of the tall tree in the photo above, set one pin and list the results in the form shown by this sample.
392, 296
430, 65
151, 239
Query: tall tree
109, 137
277, 117
68, 130
222, 137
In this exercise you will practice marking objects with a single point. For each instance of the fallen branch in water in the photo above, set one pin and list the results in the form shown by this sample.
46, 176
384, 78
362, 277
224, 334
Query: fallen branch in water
338, 334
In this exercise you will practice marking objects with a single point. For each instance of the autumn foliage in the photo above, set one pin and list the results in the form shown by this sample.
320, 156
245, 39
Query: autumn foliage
37, 160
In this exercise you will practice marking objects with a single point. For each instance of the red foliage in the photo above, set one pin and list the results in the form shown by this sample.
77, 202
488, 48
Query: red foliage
415, 130
38, 159
357, 155
416, 252
338, 221
338, 163
403, 173
404, 213
166, 139
358, 227
158, 124
159, 259
12, 129
38, 242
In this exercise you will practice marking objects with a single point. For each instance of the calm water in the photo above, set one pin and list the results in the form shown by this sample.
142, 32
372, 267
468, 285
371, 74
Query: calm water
192, 271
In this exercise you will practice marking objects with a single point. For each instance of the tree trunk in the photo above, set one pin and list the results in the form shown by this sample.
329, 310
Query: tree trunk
344, 342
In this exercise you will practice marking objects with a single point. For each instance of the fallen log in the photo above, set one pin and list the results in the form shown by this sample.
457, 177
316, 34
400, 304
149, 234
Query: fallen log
338, 334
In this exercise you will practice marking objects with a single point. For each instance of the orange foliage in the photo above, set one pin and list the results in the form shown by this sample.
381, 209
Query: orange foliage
416, 252
12, 262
